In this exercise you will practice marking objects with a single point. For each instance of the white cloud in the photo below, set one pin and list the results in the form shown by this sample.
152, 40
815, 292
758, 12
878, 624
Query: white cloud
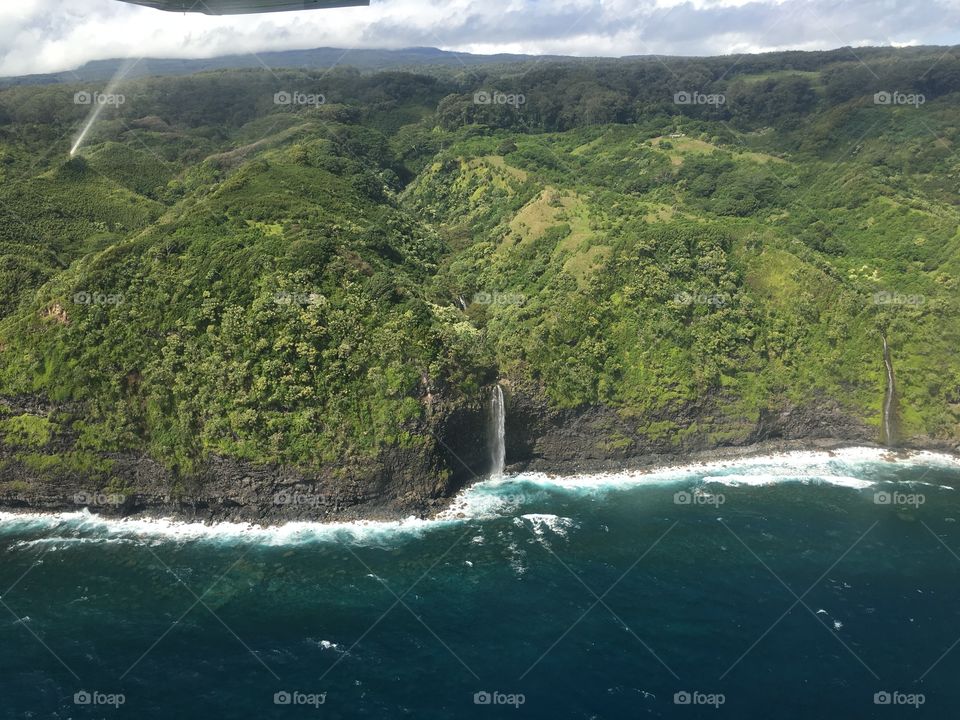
52, 35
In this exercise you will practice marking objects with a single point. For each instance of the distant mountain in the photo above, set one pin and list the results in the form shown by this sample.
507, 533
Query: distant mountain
317, 58
426, 60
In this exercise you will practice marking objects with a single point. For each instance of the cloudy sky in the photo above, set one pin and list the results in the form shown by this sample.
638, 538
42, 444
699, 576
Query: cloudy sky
52, 35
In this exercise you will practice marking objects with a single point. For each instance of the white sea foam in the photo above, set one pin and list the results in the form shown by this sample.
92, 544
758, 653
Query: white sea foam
555, 524
545, 526
933, 485
774, 479
80, 527
791, 462
518, 559
54, 543
835, 467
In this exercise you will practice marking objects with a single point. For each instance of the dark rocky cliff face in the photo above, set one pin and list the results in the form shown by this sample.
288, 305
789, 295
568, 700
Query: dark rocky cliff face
599, 438
451, 452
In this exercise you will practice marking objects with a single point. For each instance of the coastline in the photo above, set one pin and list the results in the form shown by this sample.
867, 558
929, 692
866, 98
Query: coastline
362, 520
658, 461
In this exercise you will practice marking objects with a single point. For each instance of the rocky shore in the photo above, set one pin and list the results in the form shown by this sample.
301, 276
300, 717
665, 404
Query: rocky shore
422, 479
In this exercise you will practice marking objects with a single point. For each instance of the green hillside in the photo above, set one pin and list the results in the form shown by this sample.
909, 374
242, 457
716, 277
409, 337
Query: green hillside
217, 275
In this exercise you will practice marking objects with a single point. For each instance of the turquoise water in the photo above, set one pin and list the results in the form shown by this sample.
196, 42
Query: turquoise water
584, 597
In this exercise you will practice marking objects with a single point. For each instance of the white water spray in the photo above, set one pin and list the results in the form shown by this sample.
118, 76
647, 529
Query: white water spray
86, 128
99, 101
498, 447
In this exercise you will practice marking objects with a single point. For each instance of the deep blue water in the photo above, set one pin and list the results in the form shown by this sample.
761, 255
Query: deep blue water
800, 596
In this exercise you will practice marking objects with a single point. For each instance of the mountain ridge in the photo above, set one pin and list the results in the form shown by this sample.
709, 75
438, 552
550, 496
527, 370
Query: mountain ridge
367, 59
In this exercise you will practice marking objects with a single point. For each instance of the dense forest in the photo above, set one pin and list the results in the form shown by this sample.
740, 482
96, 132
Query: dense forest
304, 267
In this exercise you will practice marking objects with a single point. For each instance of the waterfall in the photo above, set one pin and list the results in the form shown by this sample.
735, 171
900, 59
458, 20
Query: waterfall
888, 432
498, 449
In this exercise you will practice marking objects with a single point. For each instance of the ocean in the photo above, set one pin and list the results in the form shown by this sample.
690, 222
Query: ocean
804, 585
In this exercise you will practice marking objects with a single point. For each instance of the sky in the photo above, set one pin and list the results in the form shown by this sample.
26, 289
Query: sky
39, 36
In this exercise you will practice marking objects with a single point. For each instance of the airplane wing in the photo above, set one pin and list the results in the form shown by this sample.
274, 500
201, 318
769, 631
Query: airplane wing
243, 7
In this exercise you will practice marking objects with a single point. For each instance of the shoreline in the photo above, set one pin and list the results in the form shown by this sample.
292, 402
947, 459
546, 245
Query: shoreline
654, 462
358, 522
